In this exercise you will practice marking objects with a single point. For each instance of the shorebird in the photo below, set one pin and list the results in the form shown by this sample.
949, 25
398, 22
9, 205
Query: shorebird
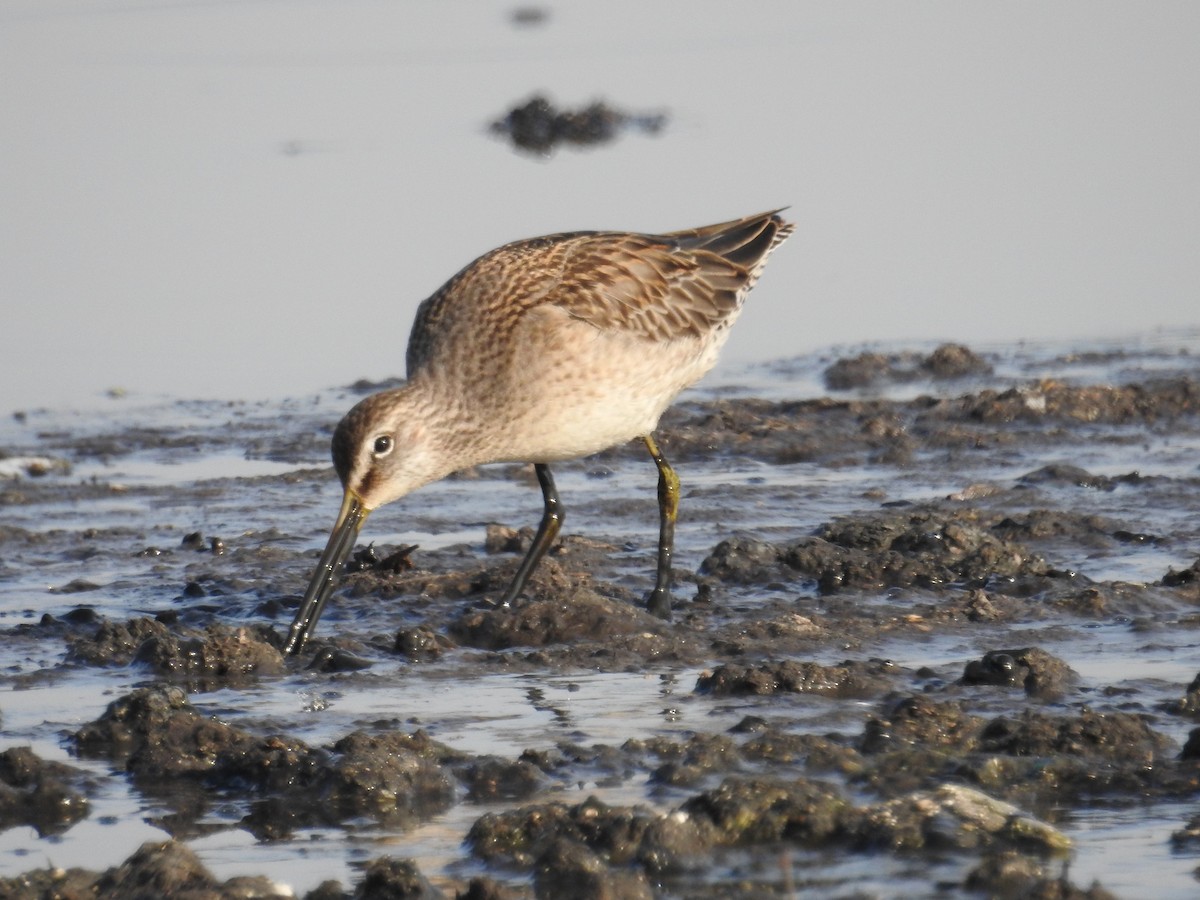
543, 350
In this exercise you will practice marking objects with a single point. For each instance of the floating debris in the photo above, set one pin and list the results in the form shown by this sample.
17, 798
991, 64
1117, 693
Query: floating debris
529, 16
537, 126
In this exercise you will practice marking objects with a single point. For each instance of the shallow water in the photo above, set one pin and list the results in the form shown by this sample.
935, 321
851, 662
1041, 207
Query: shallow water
239, 472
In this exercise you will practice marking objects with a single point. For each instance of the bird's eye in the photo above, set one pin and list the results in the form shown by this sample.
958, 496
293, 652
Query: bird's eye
383, 445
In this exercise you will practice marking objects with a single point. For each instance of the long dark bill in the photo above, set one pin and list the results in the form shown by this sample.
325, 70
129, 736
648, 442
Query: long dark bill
329, 569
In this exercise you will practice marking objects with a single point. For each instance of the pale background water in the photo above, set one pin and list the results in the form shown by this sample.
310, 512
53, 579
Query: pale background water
248, 199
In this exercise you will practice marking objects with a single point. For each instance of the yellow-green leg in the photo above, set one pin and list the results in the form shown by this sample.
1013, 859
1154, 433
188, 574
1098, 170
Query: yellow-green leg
658, 601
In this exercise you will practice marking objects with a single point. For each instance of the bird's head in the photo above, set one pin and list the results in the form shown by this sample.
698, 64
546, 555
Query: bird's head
382, 451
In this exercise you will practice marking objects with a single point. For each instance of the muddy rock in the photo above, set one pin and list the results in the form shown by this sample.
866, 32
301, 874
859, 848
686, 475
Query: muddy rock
1114, 736
336, 659
188, 761
973, 606
490, 778
1036, 671
115, 643
1074, 476
746, 810
393, 562
1108, 600
953, 816
159, 735
456, 574
602, 762
570, 869
486, 889
781, 432
949, 361
924, 548
837, 432
395, 879
1188, 837
860, 371
954, 361
220, 656
1009, 875
1034, 757
49, 883
392, 777
927, 547
1148, 401
916, 742
621, 836
215, 657
1056, 528
1189, 704
503, 539
170, 869
155, 871
583, 616
38, 793
921, 721
851, 679
744, 561
1186, 577
817, 753
688, 762
422, 644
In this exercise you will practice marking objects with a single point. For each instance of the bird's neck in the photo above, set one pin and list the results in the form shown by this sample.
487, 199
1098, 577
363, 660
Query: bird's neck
448, 433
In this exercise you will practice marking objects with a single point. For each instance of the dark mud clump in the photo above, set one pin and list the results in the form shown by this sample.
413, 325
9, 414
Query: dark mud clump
1189, 704
947, 362
619, 851
1189, 577
582, 616
1038, 419
1011, 875
47, 796
1034, 759
620, 835
216, 656
927, 548
1117, 737
189, 759
538, 127
170, 869
851, 679
1036, 671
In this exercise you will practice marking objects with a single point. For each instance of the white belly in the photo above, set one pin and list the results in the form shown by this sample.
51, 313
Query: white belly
590, 390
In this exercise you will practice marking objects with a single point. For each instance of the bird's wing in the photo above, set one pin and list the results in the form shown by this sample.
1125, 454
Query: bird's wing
646, 287
656, 287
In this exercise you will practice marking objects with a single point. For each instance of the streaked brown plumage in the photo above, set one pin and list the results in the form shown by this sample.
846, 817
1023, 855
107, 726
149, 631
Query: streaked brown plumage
542, 350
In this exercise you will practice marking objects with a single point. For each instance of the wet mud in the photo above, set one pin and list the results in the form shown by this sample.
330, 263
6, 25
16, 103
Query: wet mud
889, 608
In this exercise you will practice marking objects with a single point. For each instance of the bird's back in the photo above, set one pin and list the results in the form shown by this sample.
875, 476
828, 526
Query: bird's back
655, 287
